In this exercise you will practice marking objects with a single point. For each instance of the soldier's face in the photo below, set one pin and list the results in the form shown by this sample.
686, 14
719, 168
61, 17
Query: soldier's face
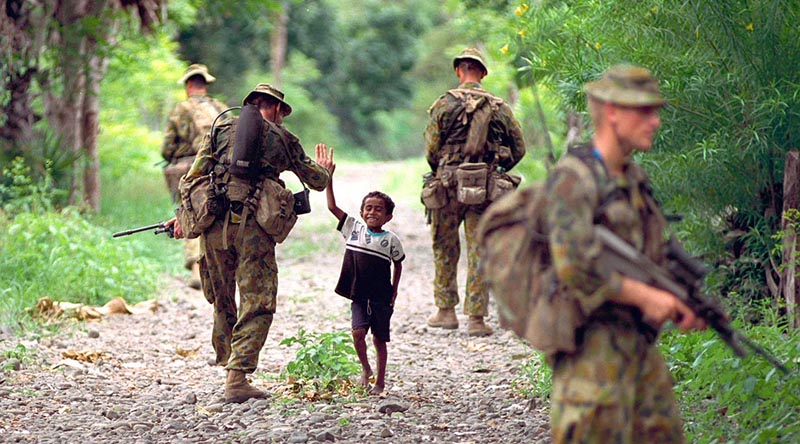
374, 213
635, 127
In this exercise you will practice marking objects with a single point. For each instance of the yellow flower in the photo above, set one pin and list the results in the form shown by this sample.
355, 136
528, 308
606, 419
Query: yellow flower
522, 9
597, 45
749, 27
522, 32
654, 9
504, 49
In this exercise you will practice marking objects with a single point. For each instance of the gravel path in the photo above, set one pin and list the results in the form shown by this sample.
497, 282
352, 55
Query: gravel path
152, 382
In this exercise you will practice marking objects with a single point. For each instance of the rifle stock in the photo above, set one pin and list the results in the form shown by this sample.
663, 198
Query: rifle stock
683, 277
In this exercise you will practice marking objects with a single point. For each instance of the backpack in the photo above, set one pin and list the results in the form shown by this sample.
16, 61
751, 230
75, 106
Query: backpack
204, 114
234, 177
518, 269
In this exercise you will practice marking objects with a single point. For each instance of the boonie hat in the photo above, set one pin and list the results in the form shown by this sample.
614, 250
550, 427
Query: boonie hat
472, 54
626, 85
269, 90
197, 69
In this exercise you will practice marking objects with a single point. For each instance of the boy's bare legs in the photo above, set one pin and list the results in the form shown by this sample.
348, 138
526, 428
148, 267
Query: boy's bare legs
380, 348
360, 344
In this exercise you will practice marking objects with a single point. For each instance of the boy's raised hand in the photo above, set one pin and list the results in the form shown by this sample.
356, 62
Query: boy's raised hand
325, 158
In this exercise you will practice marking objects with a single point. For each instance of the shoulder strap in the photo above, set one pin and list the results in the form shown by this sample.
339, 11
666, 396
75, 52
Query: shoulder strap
589, 157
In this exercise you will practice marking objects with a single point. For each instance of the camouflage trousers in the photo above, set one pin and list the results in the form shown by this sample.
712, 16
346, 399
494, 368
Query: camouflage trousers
615, 389
249, 263
445, 224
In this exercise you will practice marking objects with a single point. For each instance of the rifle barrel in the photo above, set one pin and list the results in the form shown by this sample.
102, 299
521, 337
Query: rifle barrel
138, 230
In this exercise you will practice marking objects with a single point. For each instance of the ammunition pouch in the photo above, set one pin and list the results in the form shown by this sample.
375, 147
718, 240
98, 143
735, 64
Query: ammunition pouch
501, 183
275, 213
434, 193
471, 183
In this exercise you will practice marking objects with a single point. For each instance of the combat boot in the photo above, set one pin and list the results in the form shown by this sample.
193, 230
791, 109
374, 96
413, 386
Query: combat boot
444, 318
194, 281
238, 390
476, 327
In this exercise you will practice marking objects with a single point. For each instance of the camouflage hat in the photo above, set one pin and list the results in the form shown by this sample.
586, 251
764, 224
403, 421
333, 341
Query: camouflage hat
269, 90
197, 69
472, 54
626, 85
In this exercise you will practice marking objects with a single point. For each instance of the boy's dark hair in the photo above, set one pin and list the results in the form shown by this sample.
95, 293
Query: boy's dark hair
387, 201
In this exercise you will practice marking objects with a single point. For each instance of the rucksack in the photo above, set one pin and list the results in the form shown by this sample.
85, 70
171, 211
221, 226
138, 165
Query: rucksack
518, 269
203, 116
235, 178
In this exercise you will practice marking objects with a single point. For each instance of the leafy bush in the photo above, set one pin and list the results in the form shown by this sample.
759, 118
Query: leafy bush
323, 364
727, 399
20, 192
63, 256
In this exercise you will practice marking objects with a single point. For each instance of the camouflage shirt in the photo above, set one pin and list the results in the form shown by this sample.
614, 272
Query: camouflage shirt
275, 158
629, 210
445, 129
187, 124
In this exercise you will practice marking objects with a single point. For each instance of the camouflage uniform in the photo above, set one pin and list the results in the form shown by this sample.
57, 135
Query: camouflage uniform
249, 260
615, 387
182, 138
442, 137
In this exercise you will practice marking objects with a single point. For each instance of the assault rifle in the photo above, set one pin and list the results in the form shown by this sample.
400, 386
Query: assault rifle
159, 228
683, 277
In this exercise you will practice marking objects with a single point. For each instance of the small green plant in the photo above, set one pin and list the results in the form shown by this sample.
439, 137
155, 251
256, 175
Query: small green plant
535, 378
18, 353
323, 364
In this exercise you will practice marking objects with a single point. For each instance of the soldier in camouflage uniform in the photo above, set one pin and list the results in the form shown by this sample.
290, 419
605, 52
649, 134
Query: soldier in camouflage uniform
186, 126
615, 387
445, 137
248, 261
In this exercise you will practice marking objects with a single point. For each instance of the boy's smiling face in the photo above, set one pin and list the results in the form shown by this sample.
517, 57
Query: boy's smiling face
374, 213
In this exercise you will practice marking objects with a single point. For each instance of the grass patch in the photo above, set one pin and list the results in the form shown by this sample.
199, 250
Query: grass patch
63, 256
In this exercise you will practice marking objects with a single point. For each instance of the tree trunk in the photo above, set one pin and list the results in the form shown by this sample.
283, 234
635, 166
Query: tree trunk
279, 41
789, 282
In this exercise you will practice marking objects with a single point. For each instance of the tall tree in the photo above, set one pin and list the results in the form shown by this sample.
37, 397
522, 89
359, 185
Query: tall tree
58, 51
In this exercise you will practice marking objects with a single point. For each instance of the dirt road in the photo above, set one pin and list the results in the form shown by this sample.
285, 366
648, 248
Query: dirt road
152, 382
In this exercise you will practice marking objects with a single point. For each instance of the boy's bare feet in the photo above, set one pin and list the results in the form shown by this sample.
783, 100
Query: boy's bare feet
365, 376
376, 390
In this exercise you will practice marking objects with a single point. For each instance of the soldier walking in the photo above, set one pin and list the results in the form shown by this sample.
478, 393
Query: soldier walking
472, 139
188, 123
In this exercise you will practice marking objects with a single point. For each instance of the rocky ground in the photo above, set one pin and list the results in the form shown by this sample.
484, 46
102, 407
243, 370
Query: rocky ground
146, 378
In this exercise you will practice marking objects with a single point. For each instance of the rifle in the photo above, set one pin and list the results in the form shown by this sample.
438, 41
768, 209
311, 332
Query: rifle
683, 277
159, 228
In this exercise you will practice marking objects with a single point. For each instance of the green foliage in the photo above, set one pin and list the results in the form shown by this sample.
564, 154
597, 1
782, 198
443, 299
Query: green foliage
727, 399
19, 353
21, 193
62, 256
323, 364
535, 378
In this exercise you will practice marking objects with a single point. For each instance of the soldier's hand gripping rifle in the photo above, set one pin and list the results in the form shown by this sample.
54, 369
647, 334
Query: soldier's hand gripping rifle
683, 277
158, 228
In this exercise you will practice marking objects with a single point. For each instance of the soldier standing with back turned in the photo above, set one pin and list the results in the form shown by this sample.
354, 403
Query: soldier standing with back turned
453, 139
188, 123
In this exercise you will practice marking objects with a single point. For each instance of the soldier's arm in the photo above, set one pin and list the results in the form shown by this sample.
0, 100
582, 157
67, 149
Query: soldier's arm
513, 140
573, 246
433, 142
170, 143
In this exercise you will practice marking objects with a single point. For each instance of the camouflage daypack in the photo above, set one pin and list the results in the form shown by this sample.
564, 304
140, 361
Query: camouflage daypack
475, 180
516, 262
